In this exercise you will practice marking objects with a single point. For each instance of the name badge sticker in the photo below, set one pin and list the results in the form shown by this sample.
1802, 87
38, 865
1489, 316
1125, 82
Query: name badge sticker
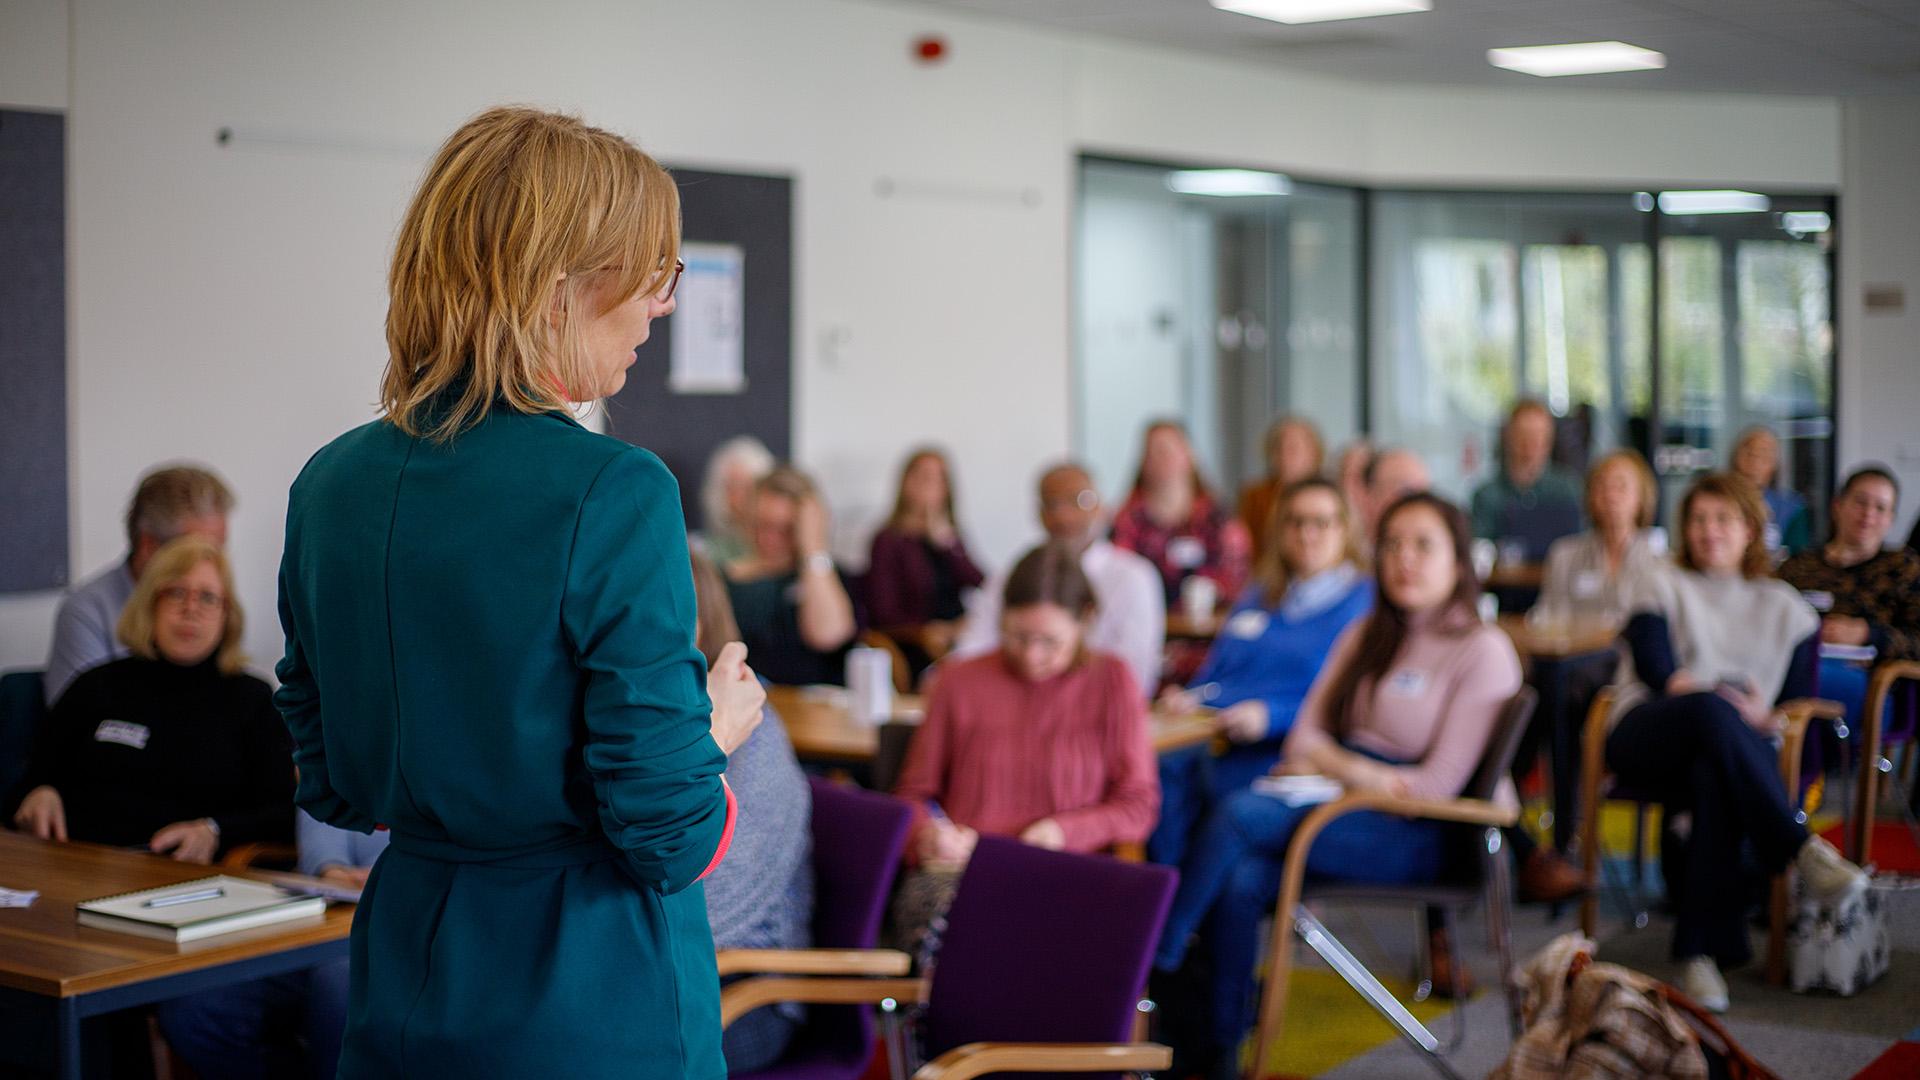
122, 732
1186, 552
1248, 625
1588, 583
1406, 683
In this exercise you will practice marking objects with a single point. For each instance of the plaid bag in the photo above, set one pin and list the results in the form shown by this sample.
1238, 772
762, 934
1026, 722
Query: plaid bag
1591, 1021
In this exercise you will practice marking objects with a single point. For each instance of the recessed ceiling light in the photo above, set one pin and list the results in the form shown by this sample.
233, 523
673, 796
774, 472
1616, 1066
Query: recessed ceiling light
1800, 222
1579, 58
1293, 12
1680, 203
1227, 182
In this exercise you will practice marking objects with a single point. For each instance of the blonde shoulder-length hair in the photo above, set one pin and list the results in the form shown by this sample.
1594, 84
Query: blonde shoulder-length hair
172, 562
527, 224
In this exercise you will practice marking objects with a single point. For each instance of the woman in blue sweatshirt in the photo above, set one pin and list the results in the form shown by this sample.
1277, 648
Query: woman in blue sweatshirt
1307, 588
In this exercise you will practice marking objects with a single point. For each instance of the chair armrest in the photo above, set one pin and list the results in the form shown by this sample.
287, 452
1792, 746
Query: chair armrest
1812, 708
243, 856
983, 1058
812, 962
1132, 851
1467, 811
740, 998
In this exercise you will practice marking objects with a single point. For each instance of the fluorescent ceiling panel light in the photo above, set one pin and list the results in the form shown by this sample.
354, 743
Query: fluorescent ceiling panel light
1680, 203
1294, 12
1227, 182
1579, 58
1806, 221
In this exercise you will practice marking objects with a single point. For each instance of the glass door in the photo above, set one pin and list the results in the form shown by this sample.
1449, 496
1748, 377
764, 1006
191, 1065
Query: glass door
1746, 338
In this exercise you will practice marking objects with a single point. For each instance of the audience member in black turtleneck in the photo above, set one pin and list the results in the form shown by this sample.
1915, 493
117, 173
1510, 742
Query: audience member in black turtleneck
175, 748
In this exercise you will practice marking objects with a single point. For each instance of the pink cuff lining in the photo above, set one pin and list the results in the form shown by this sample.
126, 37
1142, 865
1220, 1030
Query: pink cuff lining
726, 832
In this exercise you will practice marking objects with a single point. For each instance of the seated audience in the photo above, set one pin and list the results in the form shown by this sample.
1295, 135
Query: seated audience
1307, 588
1172, 519
761, 895
1390, 475
1712, 641
1350, 472
1406, 705
1294, 453
255, 1030
169, 503
174, 749
1756, 456
726, 497
1588, 573
1868, 593
919, 564
1130, 614
1531, 500
794, 614
1044, 739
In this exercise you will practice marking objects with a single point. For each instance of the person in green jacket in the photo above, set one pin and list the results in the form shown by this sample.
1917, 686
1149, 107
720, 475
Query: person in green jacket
1531, 501
489, 620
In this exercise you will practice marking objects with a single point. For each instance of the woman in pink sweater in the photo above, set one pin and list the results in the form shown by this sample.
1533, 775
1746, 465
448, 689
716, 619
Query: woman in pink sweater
1405, 704
1043, 740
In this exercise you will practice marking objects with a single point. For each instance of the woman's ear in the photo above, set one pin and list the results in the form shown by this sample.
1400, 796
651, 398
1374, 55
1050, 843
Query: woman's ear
557, 306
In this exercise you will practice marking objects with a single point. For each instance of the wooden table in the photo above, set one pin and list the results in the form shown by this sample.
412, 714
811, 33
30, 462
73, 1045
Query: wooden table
1516, 576
1551, 653
822, 730
51, 962
1182, 628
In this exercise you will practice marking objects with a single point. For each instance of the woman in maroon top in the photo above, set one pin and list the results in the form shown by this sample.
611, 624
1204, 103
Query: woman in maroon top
919, 564
1042, 739
1172, 518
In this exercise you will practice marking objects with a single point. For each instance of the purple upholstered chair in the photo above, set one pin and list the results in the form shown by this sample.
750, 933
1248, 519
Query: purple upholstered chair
858, 838
1039, 971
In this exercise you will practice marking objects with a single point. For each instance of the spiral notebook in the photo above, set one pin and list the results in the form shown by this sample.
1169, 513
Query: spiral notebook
196, 909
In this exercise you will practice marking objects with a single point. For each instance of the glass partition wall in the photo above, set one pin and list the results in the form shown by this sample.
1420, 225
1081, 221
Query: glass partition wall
1217, 309
1668, 323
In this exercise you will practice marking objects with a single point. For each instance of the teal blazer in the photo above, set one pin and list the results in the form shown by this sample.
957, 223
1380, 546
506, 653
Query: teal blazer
490, 653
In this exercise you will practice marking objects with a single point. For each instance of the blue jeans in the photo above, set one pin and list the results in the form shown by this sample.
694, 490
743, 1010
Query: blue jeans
248, 1031
1233, 877
1700, 757
1193, 782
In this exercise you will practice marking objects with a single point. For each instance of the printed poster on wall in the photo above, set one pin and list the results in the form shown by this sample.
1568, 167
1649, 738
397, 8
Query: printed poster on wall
709, 322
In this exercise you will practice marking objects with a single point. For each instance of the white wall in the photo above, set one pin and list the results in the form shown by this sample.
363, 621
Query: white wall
1879, 392
226, 304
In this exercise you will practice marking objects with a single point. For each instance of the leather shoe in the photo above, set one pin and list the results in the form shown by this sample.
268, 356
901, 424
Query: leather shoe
1548, 876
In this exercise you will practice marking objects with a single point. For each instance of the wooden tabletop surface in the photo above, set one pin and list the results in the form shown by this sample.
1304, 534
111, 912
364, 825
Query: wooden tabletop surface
44, 949
1557, 640
820, 727
1180, 627
1516, 576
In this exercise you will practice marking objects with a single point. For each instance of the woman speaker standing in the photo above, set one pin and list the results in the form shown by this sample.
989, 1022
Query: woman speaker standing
489, 624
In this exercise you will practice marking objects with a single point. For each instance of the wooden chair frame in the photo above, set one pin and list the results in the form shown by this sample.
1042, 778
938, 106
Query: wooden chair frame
902, 671
1886, 675
1273, 1000
1799, 712
876, 977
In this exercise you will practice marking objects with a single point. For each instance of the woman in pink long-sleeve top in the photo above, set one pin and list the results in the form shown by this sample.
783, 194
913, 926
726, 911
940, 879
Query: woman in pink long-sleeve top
1042, 739
1406, 705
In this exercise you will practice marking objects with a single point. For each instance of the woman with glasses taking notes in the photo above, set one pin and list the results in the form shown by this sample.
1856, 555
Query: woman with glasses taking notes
489, 619
1041, 739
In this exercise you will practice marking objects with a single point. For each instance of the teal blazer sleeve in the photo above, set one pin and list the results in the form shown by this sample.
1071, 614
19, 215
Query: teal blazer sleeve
298, 700
628, 614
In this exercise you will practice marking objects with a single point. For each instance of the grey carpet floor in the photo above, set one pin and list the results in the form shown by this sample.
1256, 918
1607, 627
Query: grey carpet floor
1799, 1036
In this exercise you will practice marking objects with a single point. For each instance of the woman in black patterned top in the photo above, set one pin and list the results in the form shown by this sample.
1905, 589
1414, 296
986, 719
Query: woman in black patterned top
1867, 594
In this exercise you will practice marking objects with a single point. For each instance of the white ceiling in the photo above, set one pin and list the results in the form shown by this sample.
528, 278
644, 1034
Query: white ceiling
1821, 47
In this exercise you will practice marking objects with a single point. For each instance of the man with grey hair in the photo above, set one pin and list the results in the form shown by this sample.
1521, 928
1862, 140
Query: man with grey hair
170, 502
1130, 619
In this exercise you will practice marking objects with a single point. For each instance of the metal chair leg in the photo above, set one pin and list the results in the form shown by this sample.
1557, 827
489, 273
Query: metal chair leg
1500, 923
1317, 937
1422, 956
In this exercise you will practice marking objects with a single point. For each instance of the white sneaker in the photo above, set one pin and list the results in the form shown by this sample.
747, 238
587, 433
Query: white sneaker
1703, 983
1825, 874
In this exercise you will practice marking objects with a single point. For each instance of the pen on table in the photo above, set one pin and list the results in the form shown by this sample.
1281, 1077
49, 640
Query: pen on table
185, 898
